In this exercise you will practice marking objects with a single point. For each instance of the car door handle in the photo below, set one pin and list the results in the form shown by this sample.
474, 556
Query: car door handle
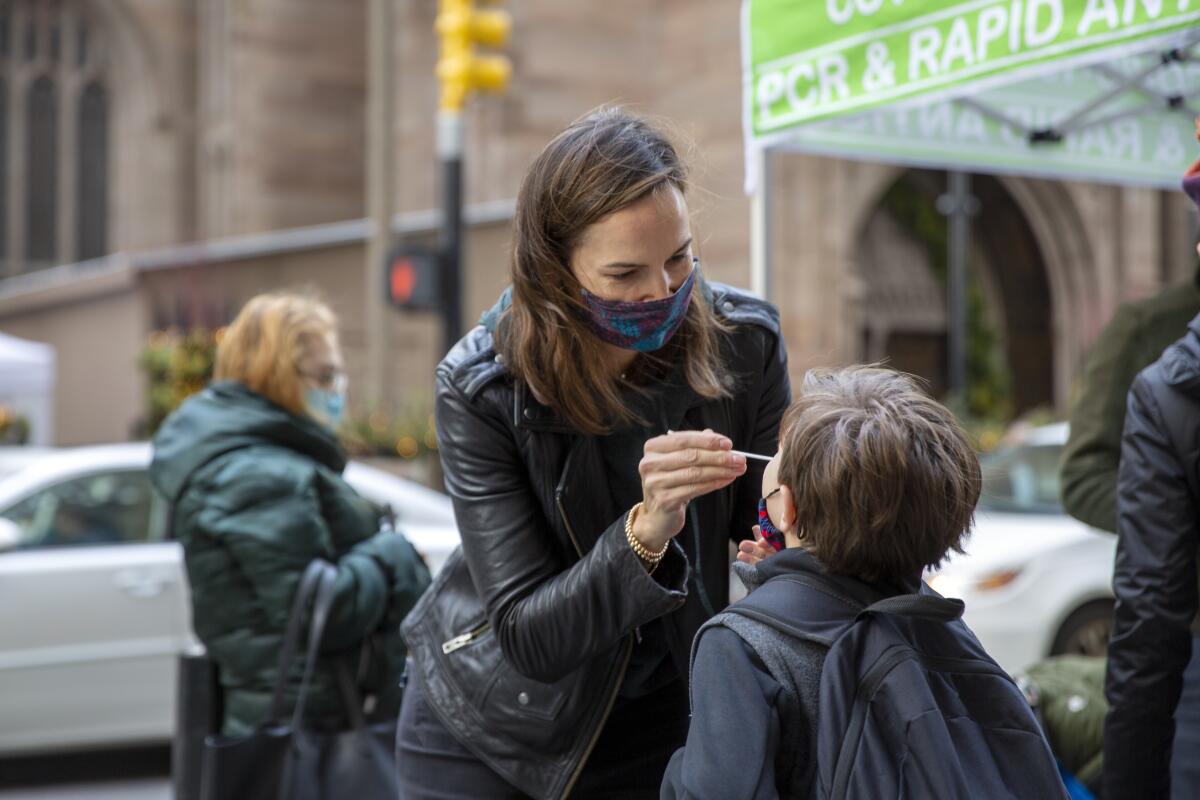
136, 583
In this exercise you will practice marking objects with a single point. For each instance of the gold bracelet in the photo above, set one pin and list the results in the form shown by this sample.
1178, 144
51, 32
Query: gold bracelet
651, 559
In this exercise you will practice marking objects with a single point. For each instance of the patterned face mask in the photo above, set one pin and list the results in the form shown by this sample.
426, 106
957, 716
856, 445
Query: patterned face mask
771, 535
643, 327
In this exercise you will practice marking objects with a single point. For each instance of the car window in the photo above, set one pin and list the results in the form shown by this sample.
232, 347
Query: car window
1022, 479
103, 508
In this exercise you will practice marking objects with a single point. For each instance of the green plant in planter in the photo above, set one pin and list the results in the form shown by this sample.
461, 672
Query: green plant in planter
408, 432
14, 428
177, 365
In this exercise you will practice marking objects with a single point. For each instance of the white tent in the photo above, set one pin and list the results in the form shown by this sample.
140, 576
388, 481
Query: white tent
27, 376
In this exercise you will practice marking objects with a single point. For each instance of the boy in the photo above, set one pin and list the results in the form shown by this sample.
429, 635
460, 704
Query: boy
873, 482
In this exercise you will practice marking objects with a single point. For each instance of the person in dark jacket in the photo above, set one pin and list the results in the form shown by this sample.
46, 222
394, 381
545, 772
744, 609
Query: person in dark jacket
1158, 535
1134, 339
585, 430
252, 471
873, 482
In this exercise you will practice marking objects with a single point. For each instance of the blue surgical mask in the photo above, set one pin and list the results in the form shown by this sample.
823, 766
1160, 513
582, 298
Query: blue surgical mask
327, 406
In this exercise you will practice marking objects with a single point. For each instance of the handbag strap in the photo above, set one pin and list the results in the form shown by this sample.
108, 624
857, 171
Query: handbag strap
301, 600
351, 699
322, 603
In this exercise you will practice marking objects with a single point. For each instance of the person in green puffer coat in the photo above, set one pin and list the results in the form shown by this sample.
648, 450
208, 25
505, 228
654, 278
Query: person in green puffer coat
252, 471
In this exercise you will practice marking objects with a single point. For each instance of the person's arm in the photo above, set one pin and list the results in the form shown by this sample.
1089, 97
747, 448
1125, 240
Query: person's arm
735, 729
548, 616
1155, 584
272, 528
1093, 451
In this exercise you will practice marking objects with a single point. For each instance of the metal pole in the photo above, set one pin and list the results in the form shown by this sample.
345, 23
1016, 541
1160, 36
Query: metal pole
380, 177
450, 151
956, 280
760, 225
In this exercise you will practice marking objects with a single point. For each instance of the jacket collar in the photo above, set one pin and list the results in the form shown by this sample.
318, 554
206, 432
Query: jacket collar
794, 560
1180, 362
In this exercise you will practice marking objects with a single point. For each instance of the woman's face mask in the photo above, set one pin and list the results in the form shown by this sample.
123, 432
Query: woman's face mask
325, 395
637, 271
644, 327
327, 406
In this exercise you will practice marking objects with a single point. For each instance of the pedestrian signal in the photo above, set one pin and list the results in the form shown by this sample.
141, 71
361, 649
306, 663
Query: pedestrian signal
412, 278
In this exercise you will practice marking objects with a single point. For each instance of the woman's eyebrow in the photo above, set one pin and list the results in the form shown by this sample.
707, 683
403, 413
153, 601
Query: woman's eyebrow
634, 265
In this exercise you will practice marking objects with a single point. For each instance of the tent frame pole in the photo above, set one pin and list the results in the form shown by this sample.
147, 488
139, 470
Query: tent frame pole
761, 213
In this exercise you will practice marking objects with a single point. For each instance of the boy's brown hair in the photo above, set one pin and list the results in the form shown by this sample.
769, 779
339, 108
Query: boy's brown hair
885, 479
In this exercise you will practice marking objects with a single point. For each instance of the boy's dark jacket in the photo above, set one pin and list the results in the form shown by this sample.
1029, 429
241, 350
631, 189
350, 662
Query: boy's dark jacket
736, 687
768, 714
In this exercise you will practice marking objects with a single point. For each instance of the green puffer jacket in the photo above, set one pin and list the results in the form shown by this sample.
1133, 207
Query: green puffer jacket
1133, 340
258, 494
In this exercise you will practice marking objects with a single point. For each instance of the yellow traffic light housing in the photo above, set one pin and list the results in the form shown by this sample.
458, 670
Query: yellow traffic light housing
461, 27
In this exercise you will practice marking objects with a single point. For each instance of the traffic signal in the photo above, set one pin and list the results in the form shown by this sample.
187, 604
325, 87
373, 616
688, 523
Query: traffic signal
412, 278
461, 27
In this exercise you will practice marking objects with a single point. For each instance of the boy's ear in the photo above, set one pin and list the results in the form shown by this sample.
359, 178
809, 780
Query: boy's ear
787, 517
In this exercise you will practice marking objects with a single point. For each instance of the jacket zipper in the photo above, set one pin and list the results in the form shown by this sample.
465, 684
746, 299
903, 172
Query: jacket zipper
612, 701
464, 639
612, 697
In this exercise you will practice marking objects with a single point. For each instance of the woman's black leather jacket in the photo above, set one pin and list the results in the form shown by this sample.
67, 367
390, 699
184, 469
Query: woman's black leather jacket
522, 641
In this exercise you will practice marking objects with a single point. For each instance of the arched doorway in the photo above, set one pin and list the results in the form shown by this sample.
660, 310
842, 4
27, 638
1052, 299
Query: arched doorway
902, 267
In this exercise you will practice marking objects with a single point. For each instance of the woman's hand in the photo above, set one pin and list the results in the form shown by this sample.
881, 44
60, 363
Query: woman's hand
676, 469
752, 552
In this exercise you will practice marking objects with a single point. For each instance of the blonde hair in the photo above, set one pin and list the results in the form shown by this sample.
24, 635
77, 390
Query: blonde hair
265, 345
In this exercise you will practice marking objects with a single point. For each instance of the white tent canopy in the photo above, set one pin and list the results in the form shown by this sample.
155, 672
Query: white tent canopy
27, 378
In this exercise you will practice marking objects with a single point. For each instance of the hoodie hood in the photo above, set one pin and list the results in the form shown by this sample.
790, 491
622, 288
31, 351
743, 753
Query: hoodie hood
1180, 362
227, 416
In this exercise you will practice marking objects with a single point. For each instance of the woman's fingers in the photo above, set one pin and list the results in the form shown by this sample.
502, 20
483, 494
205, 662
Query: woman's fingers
691, 476
682, 440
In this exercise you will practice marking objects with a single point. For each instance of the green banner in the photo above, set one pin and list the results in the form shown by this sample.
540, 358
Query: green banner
1135, 141
814, 59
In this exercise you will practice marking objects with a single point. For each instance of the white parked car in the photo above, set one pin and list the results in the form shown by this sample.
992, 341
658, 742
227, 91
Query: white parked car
94, 601
1036, 582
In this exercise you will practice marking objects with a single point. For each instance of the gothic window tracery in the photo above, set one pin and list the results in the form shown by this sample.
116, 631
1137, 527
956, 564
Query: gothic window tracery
55, 116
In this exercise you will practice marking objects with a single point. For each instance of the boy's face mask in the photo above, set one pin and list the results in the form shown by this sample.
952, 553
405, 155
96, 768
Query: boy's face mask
644, 327
771, 535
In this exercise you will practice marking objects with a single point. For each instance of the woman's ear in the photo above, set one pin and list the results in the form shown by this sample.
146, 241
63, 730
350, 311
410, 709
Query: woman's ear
787, 517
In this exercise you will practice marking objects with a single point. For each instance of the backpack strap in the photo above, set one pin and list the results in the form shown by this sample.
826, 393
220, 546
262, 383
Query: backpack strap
922, 606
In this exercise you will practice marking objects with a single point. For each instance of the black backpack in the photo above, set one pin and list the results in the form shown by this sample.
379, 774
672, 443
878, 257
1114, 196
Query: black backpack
910, 704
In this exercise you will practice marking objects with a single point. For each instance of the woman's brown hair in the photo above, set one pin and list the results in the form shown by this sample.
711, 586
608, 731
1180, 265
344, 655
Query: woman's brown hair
265, 344
602, 163
884, 478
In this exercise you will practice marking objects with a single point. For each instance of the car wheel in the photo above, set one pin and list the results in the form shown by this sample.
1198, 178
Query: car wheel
1085, 632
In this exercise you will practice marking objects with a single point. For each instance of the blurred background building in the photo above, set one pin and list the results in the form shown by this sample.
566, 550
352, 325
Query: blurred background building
164, 160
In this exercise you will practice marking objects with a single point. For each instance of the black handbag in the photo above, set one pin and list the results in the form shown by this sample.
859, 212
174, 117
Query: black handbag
289, 762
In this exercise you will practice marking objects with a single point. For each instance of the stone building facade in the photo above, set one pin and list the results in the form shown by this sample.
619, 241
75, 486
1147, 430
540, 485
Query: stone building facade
235, 162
